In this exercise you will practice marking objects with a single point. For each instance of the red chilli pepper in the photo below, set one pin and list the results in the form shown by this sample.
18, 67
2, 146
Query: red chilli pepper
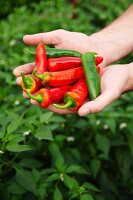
75, 97
65, 63
30, 81
41, 59
47, 96
98, 60
65, 77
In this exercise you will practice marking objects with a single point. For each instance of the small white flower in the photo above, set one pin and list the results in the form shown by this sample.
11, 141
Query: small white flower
12, 43
17, 102
123, 125
70, 139
26, 133
1, 152
98, 122
105, 126
61, 177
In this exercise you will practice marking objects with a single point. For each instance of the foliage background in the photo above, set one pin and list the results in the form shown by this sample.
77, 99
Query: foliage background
47, 156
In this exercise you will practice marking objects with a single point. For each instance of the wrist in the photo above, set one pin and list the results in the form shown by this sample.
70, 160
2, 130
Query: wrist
114, 42
129, 86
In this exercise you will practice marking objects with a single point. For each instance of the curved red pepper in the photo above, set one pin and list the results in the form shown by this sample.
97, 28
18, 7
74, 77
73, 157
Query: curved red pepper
30, 81
55, 79
75, 97
41, 59
47, 96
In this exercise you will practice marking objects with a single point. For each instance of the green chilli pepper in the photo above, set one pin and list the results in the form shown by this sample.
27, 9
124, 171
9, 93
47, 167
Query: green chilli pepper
91, 74
55, 53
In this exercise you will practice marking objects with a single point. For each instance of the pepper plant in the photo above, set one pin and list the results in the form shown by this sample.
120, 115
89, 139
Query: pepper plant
48, 156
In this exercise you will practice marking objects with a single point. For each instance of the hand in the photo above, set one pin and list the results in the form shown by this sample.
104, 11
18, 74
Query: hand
70, 40
115, 80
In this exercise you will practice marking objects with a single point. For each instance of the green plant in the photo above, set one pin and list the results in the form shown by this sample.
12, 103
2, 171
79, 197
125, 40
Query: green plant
61, 157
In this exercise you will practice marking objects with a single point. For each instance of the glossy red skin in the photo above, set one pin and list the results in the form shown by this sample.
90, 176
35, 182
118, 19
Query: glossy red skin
65, 63
41, 59
53, 95
78, 94
65, 77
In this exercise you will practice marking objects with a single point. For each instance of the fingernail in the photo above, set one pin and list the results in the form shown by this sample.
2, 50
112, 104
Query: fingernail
15, 72
83, 112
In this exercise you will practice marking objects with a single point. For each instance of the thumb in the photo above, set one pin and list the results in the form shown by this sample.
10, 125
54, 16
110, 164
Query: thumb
99, 103
52, 37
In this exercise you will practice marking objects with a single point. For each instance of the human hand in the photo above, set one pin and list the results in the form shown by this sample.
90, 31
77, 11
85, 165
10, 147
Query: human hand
115, 80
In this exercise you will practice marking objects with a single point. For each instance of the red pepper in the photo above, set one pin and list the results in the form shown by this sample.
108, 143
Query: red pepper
47, 96
75, 97
65, 63
98, 60
41, 59
60, 78
29, 82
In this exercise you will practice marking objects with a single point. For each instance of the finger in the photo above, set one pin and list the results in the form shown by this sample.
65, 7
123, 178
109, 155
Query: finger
27, 69
52, 37
34, 102
99, 103
60, 111
19, 80
25, 95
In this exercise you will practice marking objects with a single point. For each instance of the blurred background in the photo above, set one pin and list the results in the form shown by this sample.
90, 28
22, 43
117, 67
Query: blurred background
44, 156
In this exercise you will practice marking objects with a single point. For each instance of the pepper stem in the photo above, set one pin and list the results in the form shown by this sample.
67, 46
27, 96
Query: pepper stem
38, 97
26, 50
24, 80
40, 76
67, 105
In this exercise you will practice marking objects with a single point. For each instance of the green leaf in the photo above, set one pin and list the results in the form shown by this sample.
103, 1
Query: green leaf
30, 162
36, 175
57, 194
112, 125
77, 169
15, 188
26, 180
15, 123
86, 197
46, 117
103, 144
41, 190
70, 182
52, 177
15, 138
95, 167
44, 133
57, 157
90, 186
17, 148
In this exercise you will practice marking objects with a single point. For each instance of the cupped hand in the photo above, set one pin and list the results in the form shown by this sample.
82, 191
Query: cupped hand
114, 81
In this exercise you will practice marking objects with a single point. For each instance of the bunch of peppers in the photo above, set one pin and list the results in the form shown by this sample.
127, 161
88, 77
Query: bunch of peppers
62, 76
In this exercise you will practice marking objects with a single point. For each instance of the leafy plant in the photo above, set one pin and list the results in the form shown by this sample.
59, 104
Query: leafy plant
47, 156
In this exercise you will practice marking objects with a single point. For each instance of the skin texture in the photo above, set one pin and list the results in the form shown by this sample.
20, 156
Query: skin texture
113, 42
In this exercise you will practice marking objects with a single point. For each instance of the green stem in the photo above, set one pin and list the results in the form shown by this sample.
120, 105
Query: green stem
26, 50
40, 76
24, 80
67, 105
38, 97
